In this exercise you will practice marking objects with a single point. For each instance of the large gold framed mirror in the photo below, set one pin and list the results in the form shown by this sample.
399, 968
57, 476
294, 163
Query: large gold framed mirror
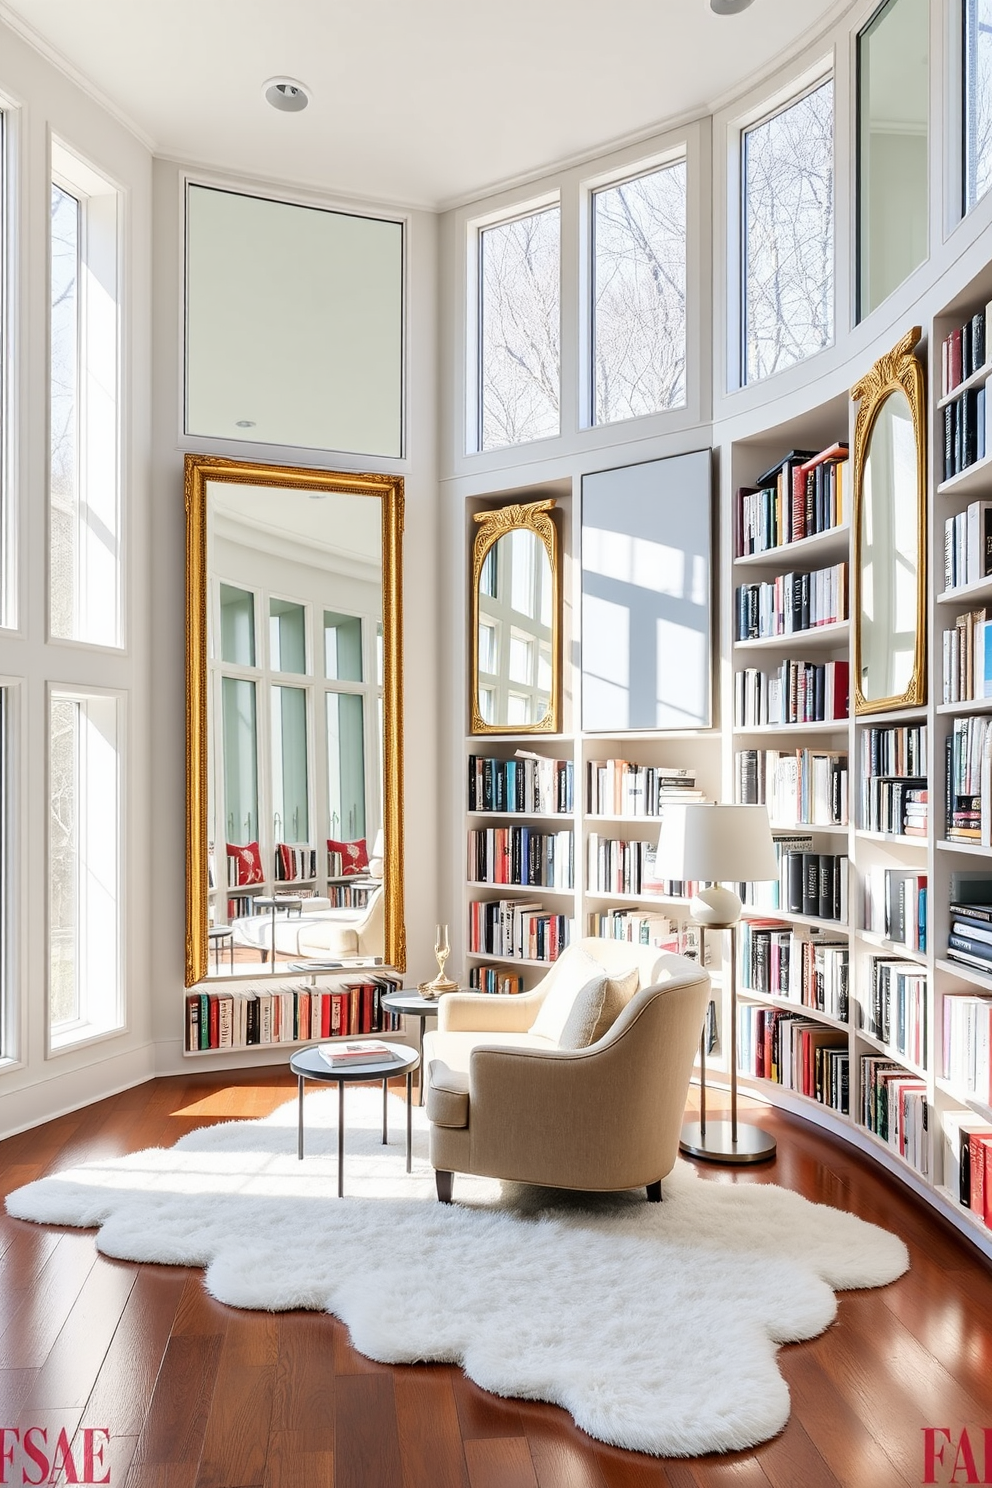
516, 605
294, 730
890, 495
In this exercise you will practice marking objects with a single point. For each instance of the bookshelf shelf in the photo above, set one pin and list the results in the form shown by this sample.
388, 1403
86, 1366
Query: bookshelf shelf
789, 1005
822, 726
893, 947
970, 849
975, 380
514, 888
979, 589
898, 838
601, 896
972, 478
813, 922
969, 705
972, 1102
542, 816
890, 1053
971, 974
835, 634
821, 547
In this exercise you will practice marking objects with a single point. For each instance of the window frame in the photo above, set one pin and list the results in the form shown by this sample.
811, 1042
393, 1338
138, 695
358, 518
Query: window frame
809, 82
677, 155
75, 175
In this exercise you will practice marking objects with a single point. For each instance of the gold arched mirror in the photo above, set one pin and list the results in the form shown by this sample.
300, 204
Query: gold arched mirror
294, 736
889, 610
516, 602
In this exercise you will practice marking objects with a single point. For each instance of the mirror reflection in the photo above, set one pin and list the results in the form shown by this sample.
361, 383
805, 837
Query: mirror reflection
298, 870
889, 532
515, 600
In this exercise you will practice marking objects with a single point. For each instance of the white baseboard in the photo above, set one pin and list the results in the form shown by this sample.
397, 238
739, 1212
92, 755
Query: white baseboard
61, 1091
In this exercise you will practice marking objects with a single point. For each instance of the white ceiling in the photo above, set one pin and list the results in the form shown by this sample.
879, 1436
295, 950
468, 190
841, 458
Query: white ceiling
421, 102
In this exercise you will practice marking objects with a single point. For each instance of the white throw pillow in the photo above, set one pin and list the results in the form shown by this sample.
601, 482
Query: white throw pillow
619, 989
583, 1020
566, 979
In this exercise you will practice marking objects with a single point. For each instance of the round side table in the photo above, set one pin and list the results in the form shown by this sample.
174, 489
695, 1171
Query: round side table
412, 1005
310, 1064
221, 937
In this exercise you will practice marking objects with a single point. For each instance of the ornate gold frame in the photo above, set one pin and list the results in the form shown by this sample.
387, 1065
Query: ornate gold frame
901, 370
493, 525
389, 490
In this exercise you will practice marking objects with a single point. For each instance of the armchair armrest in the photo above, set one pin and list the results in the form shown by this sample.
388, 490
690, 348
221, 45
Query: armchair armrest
472, 1012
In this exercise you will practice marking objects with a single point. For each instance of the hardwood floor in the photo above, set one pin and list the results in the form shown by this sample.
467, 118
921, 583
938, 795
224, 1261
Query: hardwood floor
197, 1395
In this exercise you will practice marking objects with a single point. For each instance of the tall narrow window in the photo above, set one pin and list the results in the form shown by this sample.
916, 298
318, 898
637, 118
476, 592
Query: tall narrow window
85, 525
84, 867
639, 232
977, 95
788, 234
290, 786
519, 340
8, 567
5, 970
893, 148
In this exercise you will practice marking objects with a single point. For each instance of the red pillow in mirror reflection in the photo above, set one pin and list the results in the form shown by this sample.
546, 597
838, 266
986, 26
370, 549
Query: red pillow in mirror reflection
354, 855
249, 860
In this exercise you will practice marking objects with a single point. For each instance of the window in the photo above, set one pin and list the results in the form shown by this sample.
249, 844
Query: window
84, 867
519, 332
85, 524
893, 148
787, 171
639, 317
8, 567
5, 967
977, 100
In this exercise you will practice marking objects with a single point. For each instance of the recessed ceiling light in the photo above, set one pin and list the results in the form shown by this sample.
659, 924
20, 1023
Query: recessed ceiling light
285, 94
729, 7
245, 423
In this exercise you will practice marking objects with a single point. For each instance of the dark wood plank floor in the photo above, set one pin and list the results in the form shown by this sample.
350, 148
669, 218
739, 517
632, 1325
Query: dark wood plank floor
197, 1395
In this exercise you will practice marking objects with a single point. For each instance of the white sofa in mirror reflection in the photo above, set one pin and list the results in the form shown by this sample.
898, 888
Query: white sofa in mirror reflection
319, 931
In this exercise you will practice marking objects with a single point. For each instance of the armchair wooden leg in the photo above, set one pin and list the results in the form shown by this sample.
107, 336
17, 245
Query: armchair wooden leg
445, 1184
654, 1192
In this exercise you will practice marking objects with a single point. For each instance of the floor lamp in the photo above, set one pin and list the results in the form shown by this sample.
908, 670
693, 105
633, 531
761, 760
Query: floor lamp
716, 844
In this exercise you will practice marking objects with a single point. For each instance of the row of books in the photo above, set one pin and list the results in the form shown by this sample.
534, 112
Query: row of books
895, 905
633, 926
969, 939
967, 1045
893, 1007
250, 1015
966, 433
617, 787
968, 545
893, 750
776, 961
519, 855
794, 1052
894, 1107
527, 932
802, 787
791, 603
349, 894
240, 906
967, 763
616, 866
527, 783
962, 352
294, 861
966, 658
809, 883
798, 692
495, 980
899, 806
968, 1171
803, 494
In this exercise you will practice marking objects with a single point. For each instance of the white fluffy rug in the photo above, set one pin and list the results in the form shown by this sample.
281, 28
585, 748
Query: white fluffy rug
655, 1325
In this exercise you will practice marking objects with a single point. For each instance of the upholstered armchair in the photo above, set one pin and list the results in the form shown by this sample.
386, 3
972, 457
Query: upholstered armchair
506, 1099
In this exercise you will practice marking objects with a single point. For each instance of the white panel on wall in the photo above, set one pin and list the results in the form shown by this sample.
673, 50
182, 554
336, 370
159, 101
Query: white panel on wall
646, 596
294, 324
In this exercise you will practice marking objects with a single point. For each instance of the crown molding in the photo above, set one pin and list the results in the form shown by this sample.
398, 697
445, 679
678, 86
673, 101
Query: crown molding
16, 23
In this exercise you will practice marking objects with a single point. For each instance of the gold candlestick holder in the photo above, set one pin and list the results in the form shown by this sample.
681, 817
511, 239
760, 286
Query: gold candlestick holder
441, 983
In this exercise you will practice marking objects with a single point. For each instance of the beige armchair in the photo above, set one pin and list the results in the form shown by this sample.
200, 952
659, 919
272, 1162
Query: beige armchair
506, 1103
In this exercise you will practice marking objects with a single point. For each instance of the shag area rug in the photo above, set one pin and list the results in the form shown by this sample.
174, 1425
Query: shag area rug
655, 1325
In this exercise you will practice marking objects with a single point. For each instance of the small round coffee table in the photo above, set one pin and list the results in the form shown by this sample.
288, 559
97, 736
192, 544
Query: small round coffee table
412, 1005
310, 1064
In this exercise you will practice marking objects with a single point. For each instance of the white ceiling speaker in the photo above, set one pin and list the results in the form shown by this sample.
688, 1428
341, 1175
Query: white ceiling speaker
285, 94
729, 7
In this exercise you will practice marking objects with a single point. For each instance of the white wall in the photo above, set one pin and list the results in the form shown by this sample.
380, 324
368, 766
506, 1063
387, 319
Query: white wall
41, 101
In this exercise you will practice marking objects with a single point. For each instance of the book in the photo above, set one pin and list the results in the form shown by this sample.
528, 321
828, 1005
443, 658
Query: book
369, 1051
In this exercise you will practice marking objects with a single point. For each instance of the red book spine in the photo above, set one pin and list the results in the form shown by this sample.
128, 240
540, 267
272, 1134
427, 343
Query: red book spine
977, 1143
214, 1021
325, 1015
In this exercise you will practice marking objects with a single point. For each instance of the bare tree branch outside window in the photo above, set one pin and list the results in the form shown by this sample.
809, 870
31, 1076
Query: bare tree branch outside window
977, 99
639, 316
520, 359
789, 234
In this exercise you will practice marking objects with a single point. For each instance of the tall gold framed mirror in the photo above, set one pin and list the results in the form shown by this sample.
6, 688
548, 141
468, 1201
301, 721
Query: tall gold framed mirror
890, 496
516, 608
294, 729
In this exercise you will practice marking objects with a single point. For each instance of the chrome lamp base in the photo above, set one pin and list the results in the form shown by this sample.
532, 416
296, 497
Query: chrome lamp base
714, 1141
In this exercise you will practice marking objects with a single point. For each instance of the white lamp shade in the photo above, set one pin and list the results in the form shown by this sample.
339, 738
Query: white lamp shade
715, 844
